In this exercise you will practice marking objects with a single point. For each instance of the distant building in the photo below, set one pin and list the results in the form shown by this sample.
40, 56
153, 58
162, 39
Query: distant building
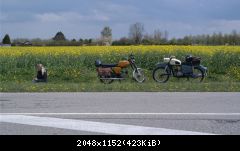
26, 43
5, 45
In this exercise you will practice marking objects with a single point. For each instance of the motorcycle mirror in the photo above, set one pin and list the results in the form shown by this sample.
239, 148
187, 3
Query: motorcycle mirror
131, 55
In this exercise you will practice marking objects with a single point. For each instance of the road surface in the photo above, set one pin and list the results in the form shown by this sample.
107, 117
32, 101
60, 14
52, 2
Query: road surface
120, 113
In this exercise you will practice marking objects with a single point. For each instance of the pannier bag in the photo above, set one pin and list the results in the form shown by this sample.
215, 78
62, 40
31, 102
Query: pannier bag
104, 71
195, 61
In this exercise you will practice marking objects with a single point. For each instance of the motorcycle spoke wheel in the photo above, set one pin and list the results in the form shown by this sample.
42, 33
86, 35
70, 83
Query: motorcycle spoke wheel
138, 75
160, 75
198, 76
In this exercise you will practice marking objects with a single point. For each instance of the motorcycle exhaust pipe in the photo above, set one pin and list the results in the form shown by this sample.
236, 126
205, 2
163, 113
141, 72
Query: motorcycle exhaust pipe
111, 78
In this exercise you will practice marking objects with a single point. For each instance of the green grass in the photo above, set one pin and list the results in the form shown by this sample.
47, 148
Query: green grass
123, 86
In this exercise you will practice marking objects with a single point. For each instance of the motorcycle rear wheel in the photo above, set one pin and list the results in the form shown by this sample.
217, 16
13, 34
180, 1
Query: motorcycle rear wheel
198, 75
106, 80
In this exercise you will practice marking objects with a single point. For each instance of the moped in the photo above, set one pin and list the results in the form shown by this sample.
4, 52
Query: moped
107, 73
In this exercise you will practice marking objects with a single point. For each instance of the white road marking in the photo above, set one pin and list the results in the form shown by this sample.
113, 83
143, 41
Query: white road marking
207, 114
99, 127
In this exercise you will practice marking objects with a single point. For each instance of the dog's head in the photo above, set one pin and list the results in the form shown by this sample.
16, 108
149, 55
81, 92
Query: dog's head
39, 67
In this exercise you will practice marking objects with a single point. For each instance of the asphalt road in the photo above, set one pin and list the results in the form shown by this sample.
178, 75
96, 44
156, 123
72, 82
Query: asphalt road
119, 113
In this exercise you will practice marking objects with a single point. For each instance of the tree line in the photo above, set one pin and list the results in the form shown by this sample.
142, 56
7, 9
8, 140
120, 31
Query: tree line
136, 36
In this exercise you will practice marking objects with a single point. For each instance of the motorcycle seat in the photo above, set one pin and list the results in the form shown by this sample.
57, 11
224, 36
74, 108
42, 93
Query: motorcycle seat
109, 65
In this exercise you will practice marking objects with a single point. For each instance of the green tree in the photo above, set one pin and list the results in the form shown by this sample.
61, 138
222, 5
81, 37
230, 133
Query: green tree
6, 39
73, 40
59, 37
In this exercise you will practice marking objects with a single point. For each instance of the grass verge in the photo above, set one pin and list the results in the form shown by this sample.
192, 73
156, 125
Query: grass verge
124, 86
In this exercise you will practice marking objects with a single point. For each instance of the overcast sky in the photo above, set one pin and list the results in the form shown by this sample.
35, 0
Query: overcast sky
86, 18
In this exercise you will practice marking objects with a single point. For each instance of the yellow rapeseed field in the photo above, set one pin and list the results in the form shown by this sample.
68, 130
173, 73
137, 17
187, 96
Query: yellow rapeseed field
101, 50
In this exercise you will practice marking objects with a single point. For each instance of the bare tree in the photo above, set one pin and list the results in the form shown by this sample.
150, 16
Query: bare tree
136, 32
166, 35
106, 36
157, 35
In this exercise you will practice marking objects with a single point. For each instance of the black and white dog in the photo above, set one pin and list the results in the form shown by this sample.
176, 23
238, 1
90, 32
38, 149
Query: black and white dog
41, 74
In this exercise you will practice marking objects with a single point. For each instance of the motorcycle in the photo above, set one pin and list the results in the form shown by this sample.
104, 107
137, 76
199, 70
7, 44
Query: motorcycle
107, 73
190, 68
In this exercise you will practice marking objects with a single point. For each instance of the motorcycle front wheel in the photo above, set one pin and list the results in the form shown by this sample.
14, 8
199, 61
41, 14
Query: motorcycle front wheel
160, 75
138, 75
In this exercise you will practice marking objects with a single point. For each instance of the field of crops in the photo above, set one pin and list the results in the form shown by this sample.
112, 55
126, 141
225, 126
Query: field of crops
77, 63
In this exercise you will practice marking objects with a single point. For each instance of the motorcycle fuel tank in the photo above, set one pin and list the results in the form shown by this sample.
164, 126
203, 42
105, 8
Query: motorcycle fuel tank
173, 61
123, 64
